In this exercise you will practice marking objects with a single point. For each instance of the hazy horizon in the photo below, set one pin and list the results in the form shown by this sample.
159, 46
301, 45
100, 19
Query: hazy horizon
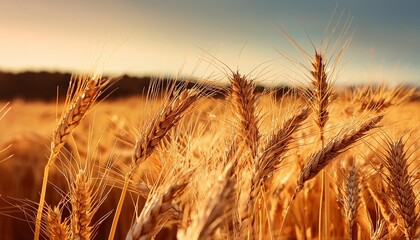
160, 38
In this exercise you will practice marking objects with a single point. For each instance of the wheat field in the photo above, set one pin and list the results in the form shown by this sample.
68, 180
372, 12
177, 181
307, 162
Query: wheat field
216, 168
316, 162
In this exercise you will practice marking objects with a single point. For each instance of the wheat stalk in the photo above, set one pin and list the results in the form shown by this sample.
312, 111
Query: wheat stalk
81, 95
270, 160
167, 118
3, 110
322, 96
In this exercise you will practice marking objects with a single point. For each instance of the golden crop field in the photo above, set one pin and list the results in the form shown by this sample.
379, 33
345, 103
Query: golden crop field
249, 165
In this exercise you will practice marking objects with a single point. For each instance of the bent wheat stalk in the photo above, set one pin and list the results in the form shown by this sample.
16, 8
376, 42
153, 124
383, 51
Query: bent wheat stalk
168, 117
269, 162
335, 147
318, 161
81, 95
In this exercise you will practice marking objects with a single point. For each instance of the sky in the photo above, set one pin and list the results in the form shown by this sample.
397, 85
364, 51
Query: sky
143, 37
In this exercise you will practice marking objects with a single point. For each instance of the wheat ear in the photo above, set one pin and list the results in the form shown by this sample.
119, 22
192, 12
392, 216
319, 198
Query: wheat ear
270, 160
156, 210
332, 149
321, 94
82, 94
81, 199
244, 101
168, 117
401, 188
56, 228
350, 191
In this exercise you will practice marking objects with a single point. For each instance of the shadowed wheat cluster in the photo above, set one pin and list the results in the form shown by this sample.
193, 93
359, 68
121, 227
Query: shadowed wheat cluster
314, 162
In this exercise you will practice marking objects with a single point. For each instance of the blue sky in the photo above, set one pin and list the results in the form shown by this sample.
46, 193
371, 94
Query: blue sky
161, 37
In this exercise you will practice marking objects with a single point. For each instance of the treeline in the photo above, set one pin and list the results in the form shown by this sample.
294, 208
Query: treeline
47, 86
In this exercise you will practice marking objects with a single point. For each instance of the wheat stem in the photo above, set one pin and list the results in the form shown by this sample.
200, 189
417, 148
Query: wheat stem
167, 118
80, 98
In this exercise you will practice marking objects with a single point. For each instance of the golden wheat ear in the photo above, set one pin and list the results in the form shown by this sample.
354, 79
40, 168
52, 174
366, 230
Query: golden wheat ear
332, 149
349, 177
156, 211
83, 92
321, 73
321, 94
168, 117
244, 103
56, 227
401, 186
82, 205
